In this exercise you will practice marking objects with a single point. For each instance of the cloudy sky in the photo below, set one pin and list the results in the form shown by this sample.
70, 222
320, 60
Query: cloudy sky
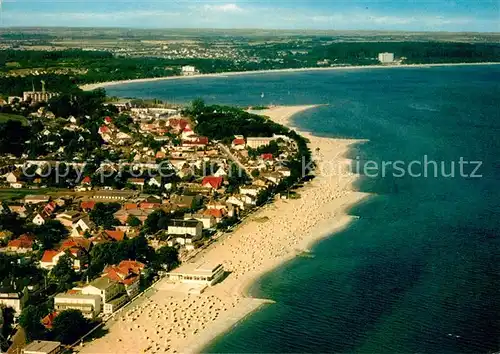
425, 15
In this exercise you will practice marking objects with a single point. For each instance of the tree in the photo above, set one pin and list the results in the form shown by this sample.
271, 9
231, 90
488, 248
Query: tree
133, 221
167, 258
103, 215
115, 252
236, 177
158, 220
50, 233
197, 106
12, 222
69, 326
29, 320
6, 320
64, 273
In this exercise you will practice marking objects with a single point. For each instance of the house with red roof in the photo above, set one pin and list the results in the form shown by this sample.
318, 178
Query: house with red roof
212, 182
76, 248
115, 235
187, 131
200, 141
88, 205
160, 155
108, 236
127, 273
50, 208
128, 206
105, 133
85, 184
48, 320
218, 214
177, 125
108, 120
22, 244
104, 130
50, 258
137, 181
238, 143
147, 205
267, 157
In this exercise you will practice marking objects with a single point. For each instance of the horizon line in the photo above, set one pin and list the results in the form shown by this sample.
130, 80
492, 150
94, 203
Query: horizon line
244, 29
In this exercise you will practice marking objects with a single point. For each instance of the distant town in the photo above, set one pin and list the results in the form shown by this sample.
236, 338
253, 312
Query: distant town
68, 57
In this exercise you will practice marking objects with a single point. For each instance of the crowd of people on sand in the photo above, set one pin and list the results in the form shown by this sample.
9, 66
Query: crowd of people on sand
176, 322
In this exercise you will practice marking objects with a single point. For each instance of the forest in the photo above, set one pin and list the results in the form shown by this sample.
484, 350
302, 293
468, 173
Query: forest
63, 70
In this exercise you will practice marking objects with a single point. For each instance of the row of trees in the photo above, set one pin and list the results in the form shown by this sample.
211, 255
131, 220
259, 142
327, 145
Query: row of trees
67, 327
224, 122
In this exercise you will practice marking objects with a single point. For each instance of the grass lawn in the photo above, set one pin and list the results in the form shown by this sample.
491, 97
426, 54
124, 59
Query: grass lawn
11, 193
6, 116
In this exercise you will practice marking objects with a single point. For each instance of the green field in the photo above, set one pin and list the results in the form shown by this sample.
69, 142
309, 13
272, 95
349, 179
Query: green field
12, 194
5, 117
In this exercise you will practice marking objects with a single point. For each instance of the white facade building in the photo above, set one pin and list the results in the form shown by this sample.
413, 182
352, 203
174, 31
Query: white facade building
185, 227
14, 300
90, 305
188, 70
385, 58
201, 274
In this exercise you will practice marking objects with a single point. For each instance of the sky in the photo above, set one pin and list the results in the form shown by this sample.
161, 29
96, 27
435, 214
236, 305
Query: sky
410, 15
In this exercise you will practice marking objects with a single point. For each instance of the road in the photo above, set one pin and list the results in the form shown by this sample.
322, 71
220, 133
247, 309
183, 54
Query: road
235, 159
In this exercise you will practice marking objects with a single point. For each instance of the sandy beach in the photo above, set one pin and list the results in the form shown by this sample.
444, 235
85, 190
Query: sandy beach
89, 87
171, 321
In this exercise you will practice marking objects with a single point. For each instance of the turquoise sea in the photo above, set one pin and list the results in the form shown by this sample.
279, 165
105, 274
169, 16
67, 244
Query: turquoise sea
420, 270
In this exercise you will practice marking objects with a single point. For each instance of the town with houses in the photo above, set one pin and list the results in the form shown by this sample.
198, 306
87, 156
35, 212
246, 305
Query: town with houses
95, 237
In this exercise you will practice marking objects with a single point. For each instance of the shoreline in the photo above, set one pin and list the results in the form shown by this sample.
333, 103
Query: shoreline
172, 321
90, 87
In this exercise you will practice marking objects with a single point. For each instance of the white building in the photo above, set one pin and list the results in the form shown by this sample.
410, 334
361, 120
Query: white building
208, 221
185, 227
252, 190
14, 300
256, 142
89, 304
189, 70
113, 294
202, 274
385, 58
38, 96
38, 219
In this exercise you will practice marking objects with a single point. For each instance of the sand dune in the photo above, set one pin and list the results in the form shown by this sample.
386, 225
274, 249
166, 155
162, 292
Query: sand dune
172, 322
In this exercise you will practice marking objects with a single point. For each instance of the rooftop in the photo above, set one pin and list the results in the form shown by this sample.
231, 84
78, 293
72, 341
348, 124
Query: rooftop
77, 296
102, 283
206, 269
41, 346
183, 223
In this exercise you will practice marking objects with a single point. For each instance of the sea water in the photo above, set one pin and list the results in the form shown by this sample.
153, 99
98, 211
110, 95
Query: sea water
419, 270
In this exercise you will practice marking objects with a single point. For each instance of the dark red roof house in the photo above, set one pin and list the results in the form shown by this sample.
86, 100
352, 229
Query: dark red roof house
89, 205
212, 182
267, 157
238, 142
48, 320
